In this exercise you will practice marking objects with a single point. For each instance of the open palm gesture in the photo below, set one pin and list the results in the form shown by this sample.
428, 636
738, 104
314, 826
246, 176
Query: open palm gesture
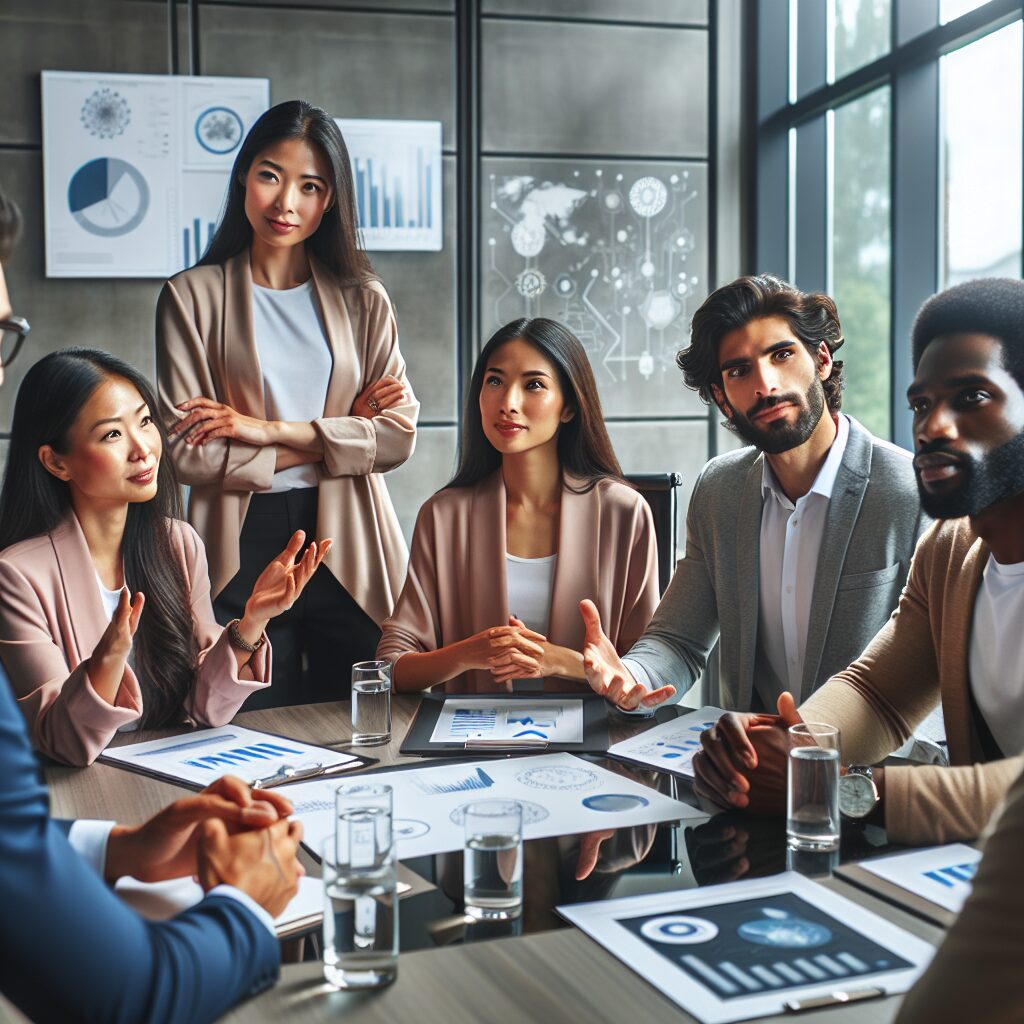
280, 584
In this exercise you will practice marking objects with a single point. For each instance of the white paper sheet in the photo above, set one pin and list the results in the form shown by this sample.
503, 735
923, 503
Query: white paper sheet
204, 756
743, 950
157, 901
669, 747
942, 874
561, 794
136, 167
557, 721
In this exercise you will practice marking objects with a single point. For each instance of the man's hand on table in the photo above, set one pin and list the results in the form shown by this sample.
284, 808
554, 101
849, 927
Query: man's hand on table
166, 846
743, 758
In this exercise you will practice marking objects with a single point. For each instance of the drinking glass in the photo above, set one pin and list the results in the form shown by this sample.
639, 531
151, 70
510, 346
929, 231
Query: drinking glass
493, 859
812, 797
371, 703
364, 838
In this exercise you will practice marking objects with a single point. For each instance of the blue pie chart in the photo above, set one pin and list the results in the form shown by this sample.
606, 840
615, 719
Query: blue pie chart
108, 197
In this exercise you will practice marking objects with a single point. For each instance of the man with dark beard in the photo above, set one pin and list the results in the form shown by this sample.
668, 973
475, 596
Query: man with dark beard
956, 636
796, 547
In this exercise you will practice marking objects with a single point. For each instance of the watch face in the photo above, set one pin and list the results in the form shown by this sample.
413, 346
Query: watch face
856, 795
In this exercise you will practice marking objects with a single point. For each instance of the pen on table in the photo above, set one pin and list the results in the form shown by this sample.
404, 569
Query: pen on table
289, 773
834, 999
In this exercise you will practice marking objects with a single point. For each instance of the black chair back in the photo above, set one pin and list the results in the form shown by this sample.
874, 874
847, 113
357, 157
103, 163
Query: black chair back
659, 491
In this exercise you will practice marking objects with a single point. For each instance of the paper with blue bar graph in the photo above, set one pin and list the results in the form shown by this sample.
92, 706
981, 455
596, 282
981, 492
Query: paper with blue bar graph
942, 874
510, 720
669, 747
199, 758
396, 171
560, 795
747, 949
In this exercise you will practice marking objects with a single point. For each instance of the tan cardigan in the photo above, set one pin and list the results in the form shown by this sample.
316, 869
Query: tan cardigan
919, 657
52, 617
205, 346
457, 586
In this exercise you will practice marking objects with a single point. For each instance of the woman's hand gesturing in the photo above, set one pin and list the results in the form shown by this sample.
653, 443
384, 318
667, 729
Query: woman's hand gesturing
208, 420
109, 656
279, 585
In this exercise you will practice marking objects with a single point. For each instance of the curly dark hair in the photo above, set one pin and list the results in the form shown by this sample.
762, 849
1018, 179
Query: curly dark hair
988, 305
812, 317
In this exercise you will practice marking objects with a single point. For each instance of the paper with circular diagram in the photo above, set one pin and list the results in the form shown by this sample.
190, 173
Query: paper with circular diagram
669, 747
561, 795
136, 167
747, 949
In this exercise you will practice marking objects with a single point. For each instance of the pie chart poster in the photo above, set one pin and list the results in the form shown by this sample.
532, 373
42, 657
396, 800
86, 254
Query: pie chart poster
135, 168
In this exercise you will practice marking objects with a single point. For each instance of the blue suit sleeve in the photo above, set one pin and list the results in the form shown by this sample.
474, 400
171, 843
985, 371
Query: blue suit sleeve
73, 952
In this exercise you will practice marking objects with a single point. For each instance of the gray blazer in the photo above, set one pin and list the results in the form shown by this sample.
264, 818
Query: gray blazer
874, 521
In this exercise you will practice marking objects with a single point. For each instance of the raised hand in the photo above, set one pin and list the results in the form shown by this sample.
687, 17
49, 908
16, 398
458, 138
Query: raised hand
383, 394
282, 581
261, 863
165, 846
110, 655
605, 672
208, 420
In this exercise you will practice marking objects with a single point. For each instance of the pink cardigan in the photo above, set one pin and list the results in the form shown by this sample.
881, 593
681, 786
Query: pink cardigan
52, 616
456, 584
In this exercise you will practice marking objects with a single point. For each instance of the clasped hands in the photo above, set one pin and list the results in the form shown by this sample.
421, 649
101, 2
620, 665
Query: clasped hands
514, 652
206, 419
228, 834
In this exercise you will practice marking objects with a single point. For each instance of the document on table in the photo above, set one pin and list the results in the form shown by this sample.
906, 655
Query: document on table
669, 747
942, 874
560, 795
754, 948
198, 758
511, 721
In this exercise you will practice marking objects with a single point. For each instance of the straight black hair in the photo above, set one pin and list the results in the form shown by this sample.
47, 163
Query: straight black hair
33, 502
335, 243
584, 447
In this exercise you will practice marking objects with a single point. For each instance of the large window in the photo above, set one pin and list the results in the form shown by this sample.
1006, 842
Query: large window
889, 165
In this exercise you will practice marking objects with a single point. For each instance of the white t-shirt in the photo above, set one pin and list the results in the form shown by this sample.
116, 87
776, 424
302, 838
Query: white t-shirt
110, 599
296, 361
529, 589
996, 667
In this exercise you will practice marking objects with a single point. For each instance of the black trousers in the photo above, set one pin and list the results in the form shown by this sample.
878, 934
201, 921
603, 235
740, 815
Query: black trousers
317, 640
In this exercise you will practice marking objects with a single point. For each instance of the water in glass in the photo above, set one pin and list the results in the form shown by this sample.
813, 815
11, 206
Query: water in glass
812, 814
361, 930
493, 875
371, 707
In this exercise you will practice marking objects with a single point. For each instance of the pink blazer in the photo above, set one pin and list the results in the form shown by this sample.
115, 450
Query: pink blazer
456, 584
51, 618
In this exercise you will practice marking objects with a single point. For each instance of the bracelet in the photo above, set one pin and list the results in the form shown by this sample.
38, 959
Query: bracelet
239, 641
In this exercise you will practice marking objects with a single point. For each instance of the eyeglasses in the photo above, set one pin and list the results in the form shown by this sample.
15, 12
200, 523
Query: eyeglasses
13, 332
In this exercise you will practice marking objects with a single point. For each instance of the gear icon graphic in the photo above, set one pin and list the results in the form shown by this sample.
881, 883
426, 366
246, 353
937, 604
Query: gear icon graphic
105, 113
648, 196
530, 283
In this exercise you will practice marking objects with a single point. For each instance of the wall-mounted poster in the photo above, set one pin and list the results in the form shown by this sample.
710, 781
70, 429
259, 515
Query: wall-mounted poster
135, 167
396, 171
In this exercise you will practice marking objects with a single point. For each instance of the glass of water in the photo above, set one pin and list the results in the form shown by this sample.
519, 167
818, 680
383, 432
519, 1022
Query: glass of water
812, 796
493, 860
371, 703
360, 923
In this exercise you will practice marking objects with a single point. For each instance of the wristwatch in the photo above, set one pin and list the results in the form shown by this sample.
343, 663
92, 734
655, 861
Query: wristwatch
858, 794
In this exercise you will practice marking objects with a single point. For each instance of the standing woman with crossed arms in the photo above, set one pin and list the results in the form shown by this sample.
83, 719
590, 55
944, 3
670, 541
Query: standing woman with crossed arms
286, 398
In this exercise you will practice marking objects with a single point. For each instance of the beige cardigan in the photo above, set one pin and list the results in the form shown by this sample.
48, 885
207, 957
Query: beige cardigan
205, 346
52, 617
917, 658
457, 586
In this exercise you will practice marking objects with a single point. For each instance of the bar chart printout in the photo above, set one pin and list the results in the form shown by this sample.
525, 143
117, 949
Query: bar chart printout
942, 874
202, 757
396, 173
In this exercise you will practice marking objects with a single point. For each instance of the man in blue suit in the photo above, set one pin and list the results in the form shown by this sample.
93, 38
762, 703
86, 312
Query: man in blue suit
73, 952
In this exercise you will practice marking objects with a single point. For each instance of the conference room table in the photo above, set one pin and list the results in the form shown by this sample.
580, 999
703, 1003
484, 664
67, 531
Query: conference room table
452, 970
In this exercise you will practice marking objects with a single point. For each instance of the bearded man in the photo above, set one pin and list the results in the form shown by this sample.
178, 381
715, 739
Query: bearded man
797, 547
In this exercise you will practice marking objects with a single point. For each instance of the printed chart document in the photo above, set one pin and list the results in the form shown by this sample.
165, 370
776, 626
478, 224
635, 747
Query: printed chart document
510, 721
752, 948
669, 747
561, 794
942, 874
199, 758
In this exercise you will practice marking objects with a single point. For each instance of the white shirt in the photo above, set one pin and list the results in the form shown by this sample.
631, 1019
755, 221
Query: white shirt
997, 671
89, 840
295, 358
791, 537
529, 589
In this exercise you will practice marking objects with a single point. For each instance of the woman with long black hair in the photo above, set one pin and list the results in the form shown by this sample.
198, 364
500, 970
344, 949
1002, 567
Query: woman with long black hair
536, 518
105, 615
284, 388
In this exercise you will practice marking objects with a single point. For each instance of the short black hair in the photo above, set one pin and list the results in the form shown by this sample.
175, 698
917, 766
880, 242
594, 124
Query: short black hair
812, 317
988, 305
